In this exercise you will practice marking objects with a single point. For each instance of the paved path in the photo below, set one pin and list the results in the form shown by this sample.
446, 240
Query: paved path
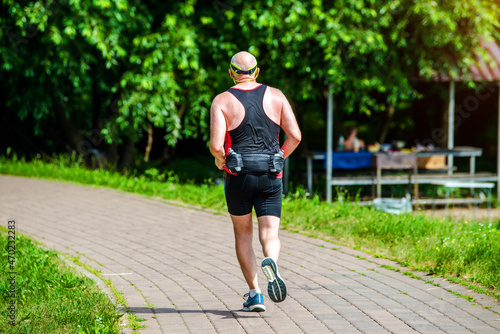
177, 269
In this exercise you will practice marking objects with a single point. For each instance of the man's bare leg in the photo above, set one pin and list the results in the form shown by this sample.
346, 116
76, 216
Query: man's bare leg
268, 236
271, 245
243, 234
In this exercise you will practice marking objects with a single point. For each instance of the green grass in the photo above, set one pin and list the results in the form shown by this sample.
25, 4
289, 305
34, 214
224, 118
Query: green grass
50, 296
466, 252
150, 183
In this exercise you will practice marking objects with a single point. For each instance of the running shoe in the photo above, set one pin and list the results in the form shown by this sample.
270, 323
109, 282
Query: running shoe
255, 304
276, 287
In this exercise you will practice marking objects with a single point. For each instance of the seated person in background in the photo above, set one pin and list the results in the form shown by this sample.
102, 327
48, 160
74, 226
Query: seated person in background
351, 141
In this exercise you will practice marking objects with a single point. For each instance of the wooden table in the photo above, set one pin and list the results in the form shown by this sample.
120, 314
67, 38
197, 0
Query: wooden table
396, 160
464, 151
459, 151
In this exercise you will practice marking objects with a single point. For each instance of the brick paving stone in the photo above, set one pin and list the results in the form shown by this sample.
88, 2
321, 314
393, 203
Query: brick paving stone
176, 267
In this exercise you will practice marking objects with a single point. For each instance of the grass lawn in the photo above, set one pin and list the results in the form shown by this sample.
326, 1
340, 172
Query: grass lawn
464, 251
40, 293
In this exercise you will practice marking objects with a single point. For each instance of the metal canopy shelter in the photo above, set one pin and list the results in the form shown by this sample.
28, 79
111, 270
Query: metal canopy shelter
482, 72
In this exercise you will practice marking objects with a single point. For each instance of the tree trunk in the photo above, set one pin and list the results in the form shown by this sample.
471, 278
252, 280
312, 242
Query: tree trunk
112, 154
112, 149
387, 123
96, 106
149, 145
182, 110
168, 153
71, 131
127, 154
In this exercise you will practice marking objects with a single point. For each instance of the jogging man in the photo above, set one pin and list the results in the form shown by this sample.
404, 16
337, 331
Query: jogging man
244, 139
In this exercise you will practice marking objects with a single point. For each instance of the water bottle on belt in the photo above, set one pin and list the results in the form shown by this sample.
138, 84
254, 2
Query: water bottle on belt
277, 162
234, 161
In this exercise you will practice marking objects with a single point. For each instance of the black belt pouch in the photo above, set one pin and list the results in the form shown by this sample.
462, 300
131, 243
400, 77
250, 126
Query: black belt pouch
276, 163
234, 163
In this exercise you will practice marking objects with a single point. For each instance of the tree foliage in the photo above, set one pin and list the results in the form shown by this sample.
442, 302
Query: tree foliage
165, 85
123, 67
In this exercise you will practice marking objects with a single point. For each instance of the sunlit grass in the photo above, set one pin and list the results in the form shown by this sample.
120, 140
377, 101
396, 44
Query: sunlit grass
470, 250
50, 296
151, 183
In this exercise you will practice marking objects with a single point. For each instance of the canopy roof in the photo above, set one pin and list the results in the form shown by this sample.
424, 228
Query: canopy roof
485, 70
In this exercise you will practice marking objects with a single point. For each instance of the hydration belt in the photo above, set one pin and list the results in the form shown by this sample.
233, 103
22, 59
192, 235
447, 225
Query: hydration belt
254, 163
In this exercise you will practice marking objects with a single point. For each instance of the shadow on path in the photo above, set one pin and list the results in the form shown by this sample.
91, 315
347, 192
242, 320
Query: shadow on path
223, 314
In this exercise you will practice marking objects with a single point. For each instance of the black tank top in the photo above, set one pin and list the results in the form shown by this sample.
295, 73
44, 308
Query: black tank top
257, 133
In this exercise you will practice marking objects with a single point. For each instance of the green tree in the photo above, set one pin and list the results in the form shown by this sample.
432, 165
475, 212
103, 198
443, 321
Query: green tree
105, 65
130, 68
364, 48
63, 63
165, 85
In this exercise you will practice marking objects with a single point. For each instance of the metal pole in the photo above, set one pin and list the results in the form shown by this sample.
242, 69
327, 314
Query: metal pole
309, 174
329, 144
489, 204
498, 146
286, 176
451, 125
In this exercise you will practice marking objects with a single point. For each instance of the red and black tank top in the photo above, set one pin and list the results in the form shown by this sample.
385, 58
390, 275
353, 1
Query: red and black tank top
257, 133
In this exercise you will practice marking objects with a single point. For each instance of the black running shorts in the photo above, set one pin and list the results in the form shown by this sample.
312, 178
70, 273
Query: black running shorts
263, 191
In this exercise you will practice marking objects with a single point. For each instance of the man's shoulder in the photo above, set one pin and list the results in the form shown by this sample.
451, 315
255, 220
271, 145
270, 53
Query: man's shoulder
275, 92
221, 97
223, 94
273, 89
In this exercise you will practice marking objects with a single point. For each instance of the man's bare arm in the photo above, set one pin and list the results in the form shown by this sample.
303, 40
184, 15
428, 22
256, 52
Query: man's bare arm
290, 126
217, 132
